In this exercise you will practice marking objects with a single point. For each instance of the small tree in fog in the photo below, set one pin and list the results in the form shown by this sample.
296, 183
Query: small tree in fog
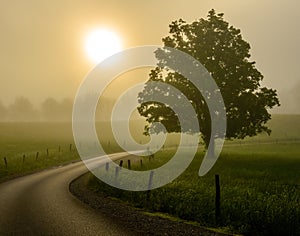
22, 110
52, 110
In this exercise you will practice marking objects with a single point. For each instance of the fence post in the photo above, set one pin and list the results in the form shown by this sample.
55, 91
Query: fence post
5, 162
70, 147
37, 156
129, 164
141, 163
218, 197
47, 150
117, 172
23, 158
150, 185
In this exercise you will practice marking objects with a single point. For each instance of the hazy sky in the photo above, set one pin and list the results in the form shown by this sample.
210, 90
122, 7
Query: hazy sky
42, 42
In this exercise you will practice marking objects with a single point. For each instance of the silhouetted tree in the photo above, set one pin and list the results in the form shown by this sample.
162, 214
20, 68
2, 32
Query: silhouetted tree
52, 110
22, 110
222, 50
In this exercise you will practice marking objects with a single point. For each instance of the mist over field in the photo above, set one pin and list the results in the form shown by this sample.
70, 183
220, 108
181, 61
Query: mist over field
43, 52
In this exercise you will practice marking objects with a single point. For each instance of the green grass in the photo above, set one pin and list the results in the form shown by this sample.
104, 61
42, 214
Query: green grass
260, 177
260, 190
26, 139
260, 185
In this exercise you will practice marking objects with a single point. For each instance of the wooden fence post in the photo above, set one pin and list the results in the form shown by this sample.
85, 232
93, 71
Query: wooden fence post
150, 180
117, 172
150, 185
37, 156
129, 164
5, 162
47, 151
218, 198
121, 163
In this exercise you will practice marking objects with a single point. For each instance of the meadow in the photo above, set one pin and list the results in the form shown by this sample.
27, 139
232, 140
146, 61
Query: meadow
259, 176
28, 147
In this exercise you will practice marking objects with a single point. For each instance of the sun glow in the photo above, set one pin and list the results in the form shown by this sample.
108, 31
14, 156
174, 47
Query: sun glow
100, 44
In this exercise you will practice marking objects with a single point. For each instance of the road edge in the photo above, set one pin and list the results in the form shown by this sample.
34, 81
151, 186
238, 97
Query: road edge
144, 223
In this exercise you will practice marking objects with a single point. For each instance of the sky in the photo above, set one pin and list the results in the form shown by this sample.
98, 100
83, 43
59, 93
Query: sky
42, 42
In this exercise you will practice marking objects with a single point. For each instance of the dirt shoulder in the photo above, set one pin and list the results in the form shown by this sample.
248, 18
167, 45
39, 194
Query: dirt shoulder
134, 219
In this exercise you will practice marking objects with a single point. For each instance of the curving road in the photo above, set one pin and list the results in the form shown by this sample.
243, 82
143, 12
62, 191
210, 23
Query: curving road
41, 204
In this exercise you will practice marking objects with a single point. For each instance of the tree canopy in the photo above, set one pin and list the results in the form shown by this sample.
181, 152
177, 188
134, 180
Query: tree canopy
226, 55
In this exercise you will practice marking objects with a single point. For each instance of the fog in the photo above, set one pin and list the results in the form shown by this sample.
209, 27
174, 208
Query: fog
42, 42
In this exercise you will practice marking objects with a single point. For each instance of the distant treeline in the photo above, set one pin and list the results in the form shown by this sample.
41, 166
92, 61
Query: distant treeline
23, 110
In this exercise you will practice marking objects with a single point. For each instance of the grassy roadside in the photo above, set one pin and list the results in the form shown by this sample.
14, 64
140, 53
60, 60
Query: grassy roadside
28, 147
260, 190
33, 146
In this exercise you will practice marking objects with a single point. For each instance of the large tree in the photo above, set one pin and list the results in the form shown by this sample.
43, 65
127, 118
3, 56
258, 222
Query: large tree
222, 50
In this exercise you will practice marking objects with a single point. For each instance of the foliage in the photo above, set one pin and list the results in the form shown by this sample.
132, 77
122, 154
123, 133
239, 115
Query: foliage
222, 50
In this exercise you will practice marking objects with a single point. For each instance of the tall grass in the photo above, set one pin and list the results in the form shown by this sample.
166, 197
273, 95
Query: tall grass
260, 190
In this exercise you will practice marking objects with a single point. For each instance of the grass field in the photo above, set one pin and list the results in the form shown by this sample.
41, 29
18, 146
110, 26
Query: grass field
28, 138
260, 176
53, 141
260, 185
20, 143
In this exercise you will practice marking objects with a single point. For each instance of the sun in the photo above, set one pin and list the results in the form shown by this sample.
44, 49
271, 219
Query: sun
102, 43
